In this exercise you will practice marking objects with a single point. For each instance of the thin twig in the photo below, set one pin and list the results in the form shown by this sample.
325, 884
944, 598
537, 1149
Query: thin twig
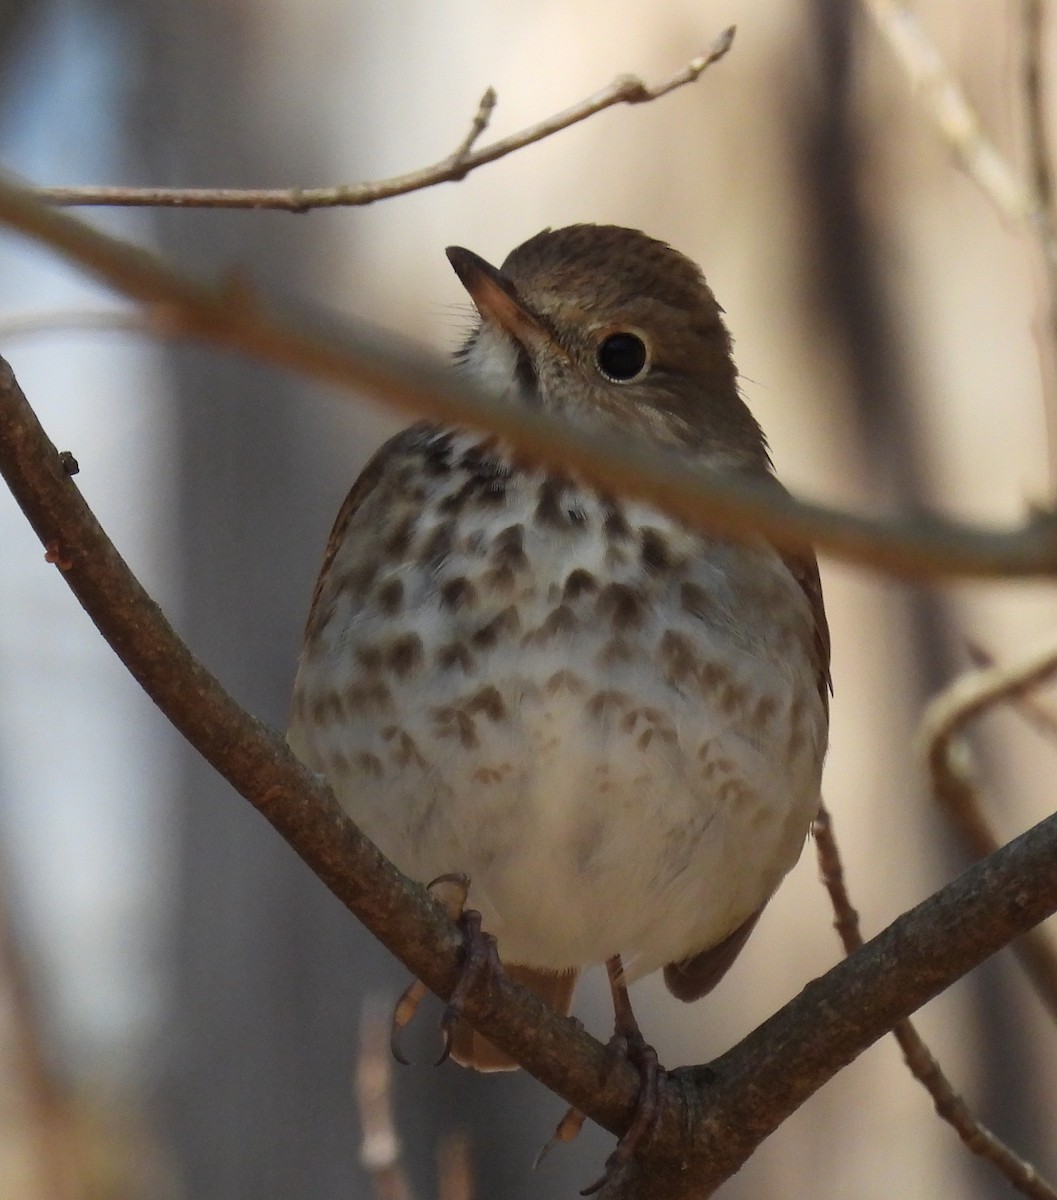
381, 1151
1041, 716
950, 110
756, 1084
22, 325
454, 1168
50, 1129
923, 1066
625, 89
379, 364
1033, 83
955, 787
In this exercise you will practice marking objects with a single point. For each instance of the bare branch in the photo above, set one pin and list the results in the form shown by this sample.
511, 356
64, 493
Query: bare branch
50, 1126
1041, 716
380, 1151
1032, 22
955, 787
400, 374
477, 127
756, 1085
923, 1066
1022, 201
454, 1168
77, 320
625, 89
951, 113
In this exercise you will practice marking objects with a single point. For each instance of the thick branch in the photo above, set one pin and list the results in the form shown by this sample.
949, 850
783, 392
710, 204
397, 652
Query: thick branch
257, 763
626, 89
384, 366
756, 1085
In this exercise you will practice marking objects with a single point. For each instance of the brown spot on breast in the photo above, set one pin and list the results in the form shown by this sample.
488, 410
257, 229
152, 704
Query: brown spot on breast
487, 701
436, 457
713, 675
656, 553
565, 681
615, 525
455, 654
390, 596
621, 604
372, 696
508, 548
399, 541
607, 703
679, 657
453, 722
734, 699
563, 620
697, 601
403, 655
763, 713
499, 579
339, 765
458, 500
504, 625
579, 583
487, 775
438, 544
551, 507
735, 793
369, 657
616, 650
406, 751
458, 594
370, 764
327, 707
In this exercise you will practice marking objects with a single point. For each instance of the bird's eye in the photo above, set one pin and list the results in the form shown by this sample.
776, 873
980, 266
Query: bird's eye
622, 357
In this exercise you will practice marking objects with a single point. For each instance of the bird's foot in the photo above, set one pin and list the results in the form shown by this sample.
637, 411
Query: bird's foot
622, 1047
479, 957
632, 1047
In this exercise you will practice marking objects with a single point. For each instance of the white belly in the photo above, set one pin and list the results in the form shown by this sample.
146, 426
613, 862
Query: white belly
612, 781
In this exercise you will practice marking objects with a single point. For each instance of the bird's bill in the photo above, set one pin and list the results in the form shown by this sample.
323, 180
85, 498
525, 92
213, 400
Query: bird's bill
495, 298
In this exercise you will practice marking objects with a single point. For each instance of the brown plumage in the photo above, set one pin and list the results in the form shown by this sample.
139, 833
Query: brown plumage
612, 724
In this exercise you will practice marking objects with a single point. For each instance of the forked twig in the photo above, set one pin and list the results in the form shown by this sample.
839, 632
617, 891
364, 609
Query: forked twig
923, 1066
955, 787
625, 89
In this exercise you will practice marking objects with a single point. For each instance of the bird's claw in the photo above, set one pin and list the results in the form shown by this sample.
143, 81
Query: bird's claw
479, 955
633, 1048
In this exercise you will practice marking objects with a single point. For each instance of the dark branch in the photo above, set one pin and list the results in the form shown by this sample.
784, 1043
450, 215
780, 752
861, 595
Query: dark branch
756, 1085
382, 365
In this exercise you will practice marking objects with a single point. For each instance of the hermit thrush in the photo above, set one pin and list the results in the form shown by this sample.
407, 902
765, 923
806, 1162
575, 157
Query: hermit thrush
611, 723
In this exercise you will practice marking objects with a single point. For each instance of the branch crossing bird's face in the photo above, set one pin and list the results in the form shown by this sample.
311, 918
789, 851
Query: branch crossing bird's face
611, 328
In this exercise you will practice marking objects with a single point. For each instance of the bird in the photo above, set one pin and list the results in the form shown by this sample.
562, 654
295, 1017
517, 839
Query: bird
610, 723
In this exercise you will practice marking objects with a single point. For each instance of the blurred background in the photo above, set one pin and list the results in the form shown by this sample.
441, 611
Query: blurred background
195, 993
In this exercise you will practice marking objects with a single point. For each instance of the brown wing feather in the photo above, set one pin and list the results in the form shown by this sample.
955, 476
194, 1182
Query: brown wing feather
376, 473
804, 569
697, 976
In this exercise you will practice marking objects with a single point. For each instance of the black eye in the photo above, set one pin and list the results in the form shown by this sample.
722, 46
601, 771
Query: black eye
621, 357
